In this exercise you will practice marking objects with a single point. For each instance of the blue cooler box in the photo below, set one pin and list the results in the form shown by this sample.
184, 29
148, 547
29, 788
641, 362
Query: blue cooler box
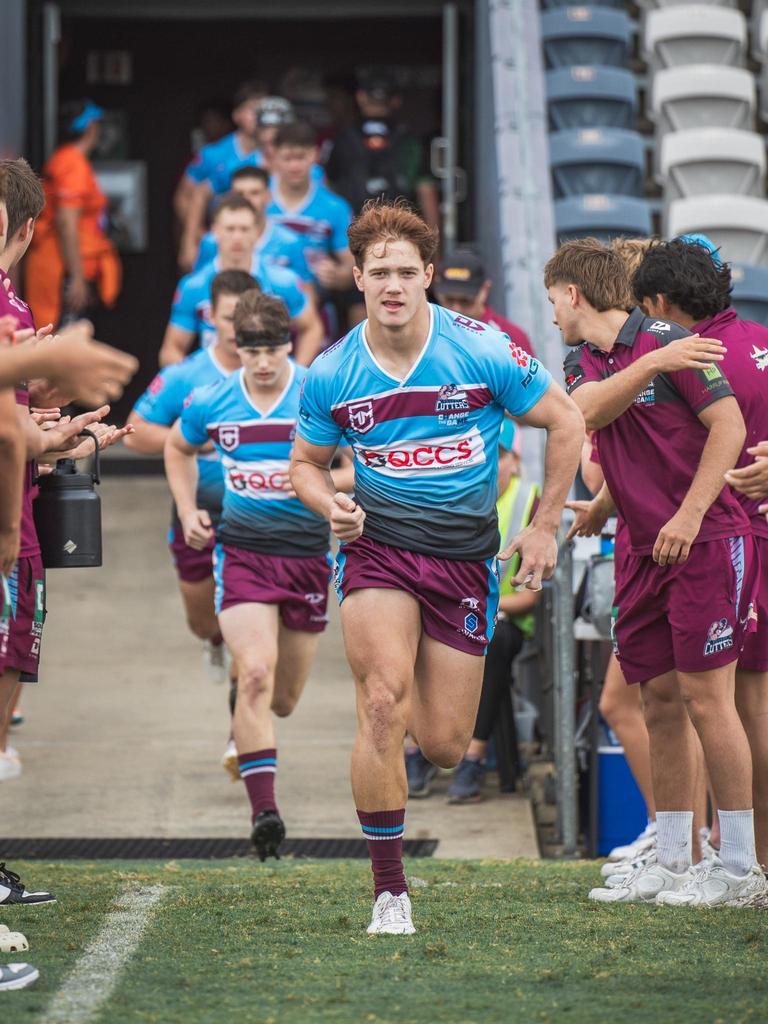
621, 811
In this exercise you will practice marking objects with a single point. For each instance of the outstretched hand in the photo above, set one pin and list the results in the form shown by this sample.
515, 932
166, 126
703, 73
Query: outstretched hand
538, 556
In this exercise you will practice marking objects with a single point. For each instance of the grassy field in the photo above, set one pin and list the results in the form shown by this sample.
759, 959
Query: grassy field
239, 942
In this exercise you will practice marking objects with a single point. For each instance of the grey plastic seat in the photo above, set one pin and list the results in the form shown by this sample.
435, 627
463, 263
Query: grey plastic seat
702, 96
694, 34
702, 161
758, 30
597, 160
591, 96
750, 293
551, 4
602, 216
737, 224
585, 35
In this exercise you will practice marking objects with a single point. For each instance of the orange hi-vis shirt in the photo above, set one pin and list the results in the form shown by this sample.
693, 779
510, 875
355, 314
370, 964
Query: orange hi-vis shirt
69, 181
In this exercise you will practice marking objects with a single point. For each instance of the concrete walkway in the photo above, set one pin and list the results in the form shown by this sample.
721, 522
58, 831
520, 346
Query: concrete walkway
124, 735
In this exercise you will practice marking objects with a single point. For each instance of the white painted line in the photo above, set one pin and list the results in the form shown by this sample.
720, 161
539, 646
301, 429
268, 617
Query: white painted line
95, 975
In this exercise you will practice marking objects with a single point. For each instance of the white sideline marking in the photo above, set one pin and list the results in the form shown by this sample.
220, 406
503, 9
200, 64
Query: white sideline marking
96, 973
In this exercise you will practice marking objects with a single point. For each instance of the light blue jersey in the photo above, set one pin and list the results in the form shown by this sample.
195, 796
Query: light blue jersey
221, 179
277, 246
191, 310
426, 448
258, 512
219, 158
163, 402
321, 222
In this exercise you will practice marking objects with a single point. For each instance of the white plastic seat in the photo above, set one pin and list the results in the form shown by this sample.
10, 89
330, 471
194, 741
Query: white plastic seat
702, 96
759, 28
737, 224
702, 161
750, 292
694, 34
653, 5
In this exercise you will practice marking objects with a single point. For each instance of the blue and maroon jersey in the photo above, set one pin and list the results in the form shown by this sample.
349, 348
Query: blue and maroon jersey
258, 513
651, 452
321, 222
277, 246
746, 367
426, 448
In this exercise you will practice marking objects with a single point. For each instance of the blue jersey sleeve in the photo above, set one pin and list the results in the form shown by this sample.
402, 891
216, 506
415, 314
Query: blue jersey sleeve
517, 380
316, 424
206, 253
298, 261
163, 400
194, 417
183, 308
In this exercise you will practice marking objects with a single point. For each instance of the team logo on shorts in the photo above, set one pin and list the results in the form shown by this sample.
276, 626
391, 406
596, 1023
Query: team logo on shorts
471, 622
719, 637
229, 436
471, 603
361, 416
314, 598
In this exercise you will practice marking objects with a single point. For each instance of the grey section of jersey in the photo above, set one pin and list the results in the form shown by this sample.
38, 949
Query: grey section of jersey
289, 538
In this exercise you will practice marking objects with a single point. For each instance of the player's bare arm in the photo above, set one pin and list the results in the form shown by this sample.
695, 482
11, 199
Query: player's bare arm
182, 475
314, 484
604, 401
556, 413
727, 432
12, 458
146, 438
591, 516
194, 220
176, 344
752, 480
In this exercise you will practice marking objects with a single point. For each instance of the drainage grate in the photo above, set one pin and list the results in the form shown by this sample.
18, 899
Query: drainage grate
190, 849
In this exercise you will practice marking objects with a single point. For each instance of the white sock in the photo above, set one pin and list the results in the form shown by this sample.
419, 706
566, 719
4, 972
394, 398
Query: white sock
737, 840
674, 839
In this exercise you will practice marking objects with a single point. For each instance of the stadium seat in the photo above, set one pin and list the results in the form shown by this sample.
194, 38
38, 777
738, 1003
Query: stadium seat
738, 224
702, 161
589, 96
694, 34
597, 160
549, 4
585, 35
750, 292
652, 5
601, 216
758, 30
702, 96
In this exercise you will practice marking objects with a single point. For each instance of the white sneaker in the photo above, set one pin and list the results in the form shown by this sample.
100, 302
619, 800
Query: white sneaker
215, 662
230, 763
633, 850
391, 915
712, 886
13, 942
642, 885
10, 765
709, 852
16, 976
623, 869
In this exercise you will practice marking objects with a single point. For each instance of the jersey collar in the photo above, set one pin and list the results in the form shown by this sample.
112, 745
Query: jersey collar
277, 197
628, 333
269, 229
419, 358
280, 398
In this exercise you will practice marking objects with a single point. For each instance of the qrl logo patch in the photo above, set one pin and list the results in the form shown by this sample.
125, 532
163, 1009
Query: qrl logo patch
229, 436
361, 416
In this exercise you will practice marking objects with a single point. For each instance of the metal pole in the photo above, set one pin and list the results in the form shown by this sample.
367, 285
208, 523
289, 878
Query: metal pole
565, 702
450, 123
51, 40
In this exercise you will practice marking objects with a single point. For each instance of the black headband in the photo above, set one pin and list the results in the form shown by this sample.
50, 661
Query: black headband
260, 339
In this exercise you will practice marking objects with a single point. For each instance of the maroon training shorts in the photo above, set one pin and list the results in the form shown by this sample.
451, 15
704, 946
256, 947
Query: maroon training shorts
26, 588
754, 657
191, 566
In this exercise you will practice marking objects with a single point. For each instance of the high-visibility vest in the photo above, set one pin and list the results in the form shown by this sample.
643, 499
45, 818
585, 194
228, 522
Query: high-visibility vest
515, 510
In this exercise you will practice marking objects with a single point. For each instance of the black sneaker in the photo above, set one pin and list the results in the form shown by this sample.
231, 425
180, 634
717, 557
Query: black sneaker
420, 773
267, 834
467, 782
12, 890
16, 976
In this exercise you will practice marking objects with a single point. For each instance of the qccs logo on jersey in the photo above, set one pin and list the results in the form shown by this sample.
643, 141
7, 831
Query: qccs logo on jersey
430, 455
263, 480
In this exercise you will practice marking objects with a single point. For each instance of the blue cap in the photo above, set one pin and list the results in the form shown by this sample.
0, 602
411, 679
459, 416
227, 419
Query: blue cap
507, 434
92, 112
696, 238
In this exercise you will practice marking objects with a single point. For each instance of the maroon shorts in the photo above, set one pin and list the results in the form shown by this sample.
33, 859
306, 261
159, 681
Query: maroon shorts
299, 586
459, 600
692, 617
754, 657
26, 589
191, 566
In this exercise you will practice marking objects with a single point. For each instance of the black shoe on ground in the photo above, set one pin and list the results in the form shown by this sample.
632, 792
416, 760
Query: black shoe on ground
267, 834
420, 773
12, 891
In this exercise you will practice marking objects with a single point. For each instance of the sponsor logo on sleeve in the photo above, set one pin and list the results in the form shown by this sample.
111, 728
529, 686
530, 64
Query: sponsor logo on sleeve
647, 396
519, 355
468, 324
532, 371
760, 356
719, 637
573, 377
156, 385
660, 326
429, 455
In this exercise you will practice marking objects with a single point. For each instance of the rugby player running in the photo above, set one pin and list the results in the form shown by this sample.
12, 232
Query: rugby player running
420, 393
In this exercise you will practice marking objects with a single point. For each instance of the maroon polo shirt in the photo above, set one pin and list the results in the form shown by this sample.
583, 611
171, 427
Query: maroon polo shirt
651, 452
12, 305
746, 367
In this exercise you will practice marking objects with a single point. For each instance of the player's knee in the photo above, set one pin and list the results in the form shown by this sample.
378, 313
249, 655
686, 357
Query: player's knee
203, 626
609, 708
663, 710
254, 681
383, 708
445, 751
283, 706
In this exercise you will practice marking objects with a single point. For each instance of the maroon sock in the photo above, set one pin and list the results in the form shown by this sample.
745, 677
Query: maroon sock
217, 640
384, 832
257, 770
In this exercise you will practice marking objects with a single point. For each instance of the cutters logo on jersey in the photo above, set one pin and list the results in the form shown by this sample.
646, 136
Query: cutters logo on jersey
450, 398
229, 436
265, 479
429, 455
471, 325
